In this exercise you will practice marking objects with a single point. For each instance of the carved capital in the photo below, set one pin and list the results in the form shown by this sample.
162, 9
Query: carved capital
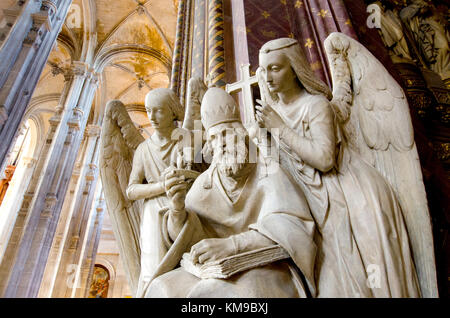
70, 135
76, 170
78, 165
27, 198
49, 204
49, 6
80, 69
74, 242
90, 175
40, 20
22, 212
57, 69
68, 75
75, 120
93, 130
95, 79
10, 16
55, 119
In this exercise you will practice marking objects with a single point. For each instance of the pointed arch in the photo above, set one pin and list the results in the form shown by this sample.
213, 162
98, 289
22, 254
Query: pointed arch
128, 17
107, 54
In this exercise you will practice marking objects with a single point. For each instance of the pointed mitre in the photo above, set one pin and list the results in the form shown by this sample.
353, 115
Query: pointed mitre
218, 107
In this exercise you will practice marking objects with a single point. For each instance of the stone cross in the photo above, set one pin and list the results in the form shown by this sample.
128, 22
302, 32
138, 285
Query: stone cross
245, 85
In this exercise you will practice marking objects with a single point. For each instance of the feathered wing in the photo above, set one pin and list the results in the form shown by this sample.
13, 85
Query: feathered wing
119, 140
374, 113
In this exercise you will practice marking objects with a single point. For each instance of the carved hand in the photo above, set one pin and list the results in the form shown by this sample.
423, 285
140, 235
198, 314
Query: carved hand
267, 117
175, 187
209, 250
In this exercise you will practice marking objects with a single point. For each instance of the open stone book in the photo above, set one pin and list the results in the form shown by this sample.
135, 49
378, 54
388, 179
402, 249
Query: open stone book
227, 267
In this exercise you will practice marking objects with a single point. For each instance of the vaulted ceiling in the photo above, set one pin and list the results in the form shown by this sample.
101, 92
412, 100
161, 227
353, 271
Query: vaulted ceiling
129, 42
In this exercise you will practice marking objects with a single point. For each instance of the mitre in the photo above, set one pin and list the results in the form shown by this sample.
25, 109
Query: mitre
218, 107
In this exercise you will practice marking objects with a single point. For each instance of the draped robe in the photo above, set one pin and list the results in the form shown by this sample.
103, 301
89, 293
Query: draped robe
149, 162
269, 204
363, 244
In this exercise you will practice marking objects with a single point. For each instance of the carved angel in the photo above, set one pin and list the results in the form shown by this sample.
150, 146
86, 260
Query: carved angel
135, 175
356, 162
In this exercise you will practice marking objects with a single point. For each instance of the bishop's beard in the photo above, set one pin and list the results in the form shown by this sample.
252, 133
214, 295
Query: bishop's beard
230, 162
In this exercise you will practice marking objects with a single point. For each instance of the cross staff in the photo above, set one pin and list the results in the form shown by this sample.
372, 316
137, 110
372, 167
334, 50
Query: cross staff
245, 85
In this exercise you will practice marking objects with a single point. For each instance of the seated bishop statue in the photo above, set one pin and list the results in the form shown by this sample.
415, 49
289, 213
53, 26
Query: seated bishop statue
230, 209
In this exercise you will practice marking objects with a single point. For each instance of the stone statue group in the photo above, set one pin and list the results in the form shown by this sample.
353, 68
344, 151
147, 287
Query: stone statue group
347, 202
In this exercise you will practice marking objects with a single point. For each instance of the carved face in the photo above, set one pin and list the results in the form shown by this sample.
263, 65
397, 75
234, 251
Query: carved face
229, 147
277, 71
160, 115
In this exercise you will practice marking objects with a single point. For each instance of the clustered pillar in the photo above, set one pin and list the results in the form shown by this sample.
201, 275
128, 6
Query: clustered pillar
23, 270
26, 41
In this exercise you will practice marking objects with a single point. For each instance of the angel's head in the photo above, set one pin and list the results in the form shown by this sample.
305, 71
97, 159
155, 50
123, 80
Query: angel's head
163, 108
282, 65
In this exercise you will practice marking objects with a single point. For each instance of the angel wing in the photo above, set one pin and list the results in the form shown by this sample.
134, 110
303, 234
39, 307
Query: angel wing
119, 140
374, 113
196, 90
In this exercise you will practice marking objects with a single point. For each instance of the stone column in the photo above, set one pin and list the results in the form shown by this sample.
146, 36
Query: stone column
177, 50
24, 51
54, 260
6, 162
76, 237
216, 48
198, 41
185, 66
43, 207
72, 87
88, 262
9, 213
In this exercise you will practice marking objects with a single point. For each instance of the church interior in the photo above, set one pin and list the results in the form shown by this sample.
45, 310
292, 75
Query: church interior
61, 61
